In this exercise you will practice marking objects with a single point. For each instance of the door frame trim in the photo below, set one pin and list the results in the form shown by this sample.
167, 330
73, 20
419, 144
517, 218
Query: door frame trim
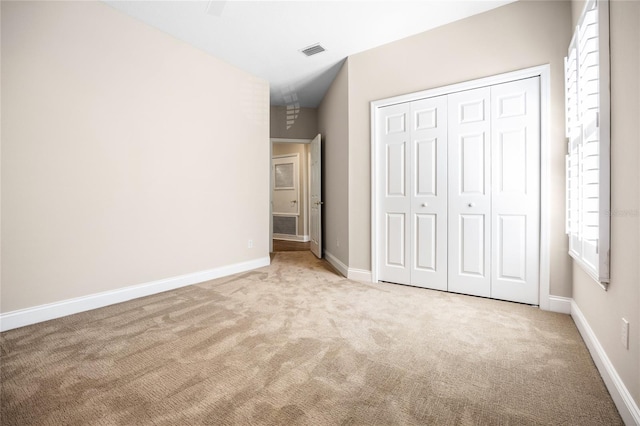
271, 142
542, 71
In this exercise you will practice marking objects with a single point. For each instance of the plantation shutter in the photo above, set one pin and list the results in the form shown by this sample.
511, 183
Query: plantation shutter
587, 131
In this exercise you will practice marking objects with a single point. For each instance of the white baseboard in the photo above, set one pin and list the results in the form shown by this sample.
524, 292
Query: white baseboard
336, 263
359, 275
28, 316
561, 305
627, 407
297, 238
351, 273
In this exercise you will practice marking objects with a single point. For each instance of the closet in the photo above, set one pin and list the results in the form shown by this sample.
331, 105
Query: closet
458, 192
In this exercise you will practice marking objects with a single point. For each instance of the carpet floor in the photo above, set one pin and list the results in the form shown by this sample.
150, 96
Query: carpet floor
295, 343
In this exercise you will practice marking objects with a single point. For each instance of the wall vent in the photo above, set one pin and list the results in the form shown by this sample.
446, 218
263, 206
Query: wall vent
313, 50
285, 225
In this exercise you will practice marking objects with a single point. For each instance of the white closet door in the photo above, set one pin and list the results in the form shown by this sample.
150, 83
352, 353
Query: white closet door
429, 189
515, 196
395, 194
469, 162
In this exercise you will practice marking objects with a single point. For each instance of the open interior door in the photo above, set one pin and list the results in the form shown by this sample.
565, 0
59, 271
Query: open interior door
315, 217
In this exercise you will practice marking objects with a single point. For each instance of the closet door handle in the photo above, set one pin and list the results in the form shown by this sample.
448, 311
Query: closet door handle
424, 204
471, 204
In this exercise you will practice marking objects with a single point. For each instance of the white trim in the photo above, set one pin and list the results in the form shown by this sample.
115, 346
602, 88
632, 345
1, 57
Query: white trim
271, 197
36, 314
297, 238
287, 140
306, 207
336, 263
306, 214
350, 273
627, 407
295, 154
561, 305
604, 186
588, 269
373, 108
359, 275
545, 188
466, 85
542, 71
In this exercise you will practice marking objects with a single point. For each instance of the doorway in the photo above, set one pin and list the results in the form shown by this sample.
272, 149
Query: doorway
296, 205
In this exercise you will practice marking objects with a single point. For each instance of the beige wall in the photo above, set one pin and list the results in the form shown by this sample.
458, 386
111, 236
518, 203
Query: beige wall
302, 150
604, 310
333, 120
286, 124
576, 9
127, 155
512, 37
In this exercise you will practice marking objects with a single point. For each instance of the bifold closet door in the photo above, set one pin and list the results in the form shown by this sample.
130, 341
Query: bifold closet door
459, 191
469, 160
394, 223
515, 199
494, 191
429, 193
412, 154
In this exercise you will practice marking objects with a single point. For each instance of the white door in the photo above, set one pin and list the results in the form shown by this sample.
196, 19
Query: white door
458, 185
285, 192
413, 193
315, 192
428, 169
515, 129
394, 193
469, 160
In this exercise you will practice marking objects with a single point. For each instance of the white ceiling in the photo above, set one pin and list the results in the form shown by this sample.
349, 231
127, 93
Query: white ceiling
265, 37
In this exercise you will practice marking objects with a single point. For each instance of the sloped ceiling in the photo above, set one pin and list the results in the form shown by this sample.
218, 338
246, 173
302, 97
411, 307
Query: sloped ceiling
265, 38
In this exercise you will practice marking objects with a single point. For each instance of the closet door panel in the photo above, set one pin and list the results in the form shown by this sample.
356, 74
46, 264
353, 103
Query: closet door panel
469, 192
516, 190
471, 165
426, 153
394, 190
472, 245
395, 233
426, 243
429, 194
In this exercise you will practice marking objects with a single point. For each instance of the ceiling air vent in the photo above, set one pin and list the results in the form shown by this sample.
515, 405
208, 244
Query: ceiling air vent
313, 50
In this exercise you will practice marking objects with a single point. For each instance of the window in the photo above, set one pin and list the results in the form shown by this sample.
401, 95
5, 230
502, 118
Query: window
588, 134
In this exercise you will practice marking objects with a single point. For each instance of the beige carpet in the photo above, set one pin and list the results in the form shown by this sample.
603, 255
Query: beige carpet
294, 343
